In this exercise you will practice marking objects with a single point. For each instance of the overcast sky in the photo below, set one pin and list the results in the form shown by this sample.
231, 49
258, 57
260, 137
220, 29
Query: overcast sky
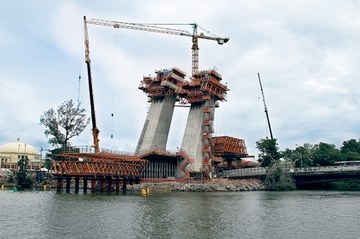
307, 53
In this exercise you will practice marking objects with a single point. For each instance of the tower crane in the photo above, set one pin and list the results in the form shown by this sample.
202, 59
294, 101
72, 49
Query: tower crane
141, 27
153, 27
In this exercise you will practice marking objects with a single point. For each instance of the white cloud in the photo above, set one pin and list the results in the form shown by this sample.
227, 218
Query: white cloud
306, 52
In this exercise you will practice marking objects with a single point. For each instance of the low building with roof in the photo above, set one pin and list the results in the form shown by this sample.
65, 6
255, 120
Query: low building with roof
11, 153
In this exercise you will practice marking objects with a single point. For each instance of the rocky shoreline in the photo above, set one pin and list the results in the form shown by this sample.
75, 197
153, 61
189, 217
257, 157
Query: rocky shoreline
207, 186
212, 186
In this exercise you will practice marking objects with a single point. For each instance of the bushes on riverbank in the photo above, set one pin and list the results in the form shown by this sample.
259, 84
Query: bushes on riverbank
278, 179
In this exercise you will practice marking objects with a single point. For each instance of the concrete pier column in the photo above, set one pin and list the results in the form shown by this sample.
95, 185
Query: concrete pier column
117, 183
124, 184
131, 180
59, 184
192, 142
157, 124
68, 182
77, 179
93, 184
102, 184
85, 180
110, 184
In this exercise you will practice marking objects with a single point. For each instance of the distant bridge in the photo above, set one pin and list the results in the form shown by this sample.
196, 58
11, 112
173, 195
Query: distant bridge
301, 176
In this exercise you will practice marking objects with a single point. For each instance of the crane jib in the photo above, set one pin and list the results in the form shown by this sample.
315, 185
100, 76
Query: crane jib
155, 28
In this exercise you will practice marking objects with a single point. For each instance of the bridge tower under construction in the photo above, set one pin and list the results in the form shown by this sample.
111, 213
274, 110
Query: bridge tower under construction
203, 93
161, 91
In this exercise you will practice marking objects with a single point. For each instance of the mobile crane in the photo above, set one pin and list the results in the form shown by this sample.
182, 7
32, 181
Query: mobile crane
95, 130
266, 111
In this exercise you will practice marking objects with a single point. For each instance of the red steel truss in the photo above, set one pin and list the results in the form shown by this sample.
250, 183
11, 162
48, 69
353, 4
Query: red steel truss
229, 146
81, 162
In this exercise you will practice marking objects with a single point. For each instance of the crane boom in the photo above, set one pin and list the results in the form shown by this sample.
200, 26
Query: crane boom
266, 111
95, 130
151, 27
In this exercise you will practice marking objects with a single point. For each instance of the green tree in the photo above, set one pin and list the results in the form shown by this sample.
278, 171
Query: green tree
350, 150
325, 154
304, 155
288, 155
64, 123
279, 179
269, 151
23, 178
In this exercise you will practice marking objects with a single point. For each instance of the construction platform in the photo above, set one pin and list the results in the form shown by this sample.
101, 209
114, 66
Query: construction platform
103, 168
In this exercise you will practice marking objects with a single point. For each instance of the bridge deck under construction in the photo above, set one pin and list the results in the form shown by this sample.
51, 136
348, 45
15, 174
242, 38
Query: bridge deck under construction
102, 168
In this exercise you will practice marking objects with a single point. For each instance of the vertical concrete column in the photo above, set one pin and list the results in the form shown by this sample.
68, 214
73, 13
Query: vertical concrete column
110, 181
93, 184
85, 184
157, 125
124, 184
117, 183
68, 181
77, 179
59, 184
192, 142
102, 184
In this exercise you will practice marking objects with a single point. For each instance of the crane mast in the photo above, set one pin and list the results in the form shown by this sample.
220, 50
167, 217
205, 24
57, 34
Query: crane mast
266, 111
156, 28
195, 51
95, 130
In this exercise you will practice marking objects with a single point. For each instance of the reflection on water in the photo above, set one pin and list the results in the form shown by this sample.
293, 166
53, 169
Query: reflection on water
296, 214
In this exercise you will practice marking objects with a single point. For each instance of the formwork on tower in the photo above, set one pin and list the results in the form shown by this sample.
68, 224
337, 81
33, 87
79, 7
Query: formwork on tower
230, 153
203, 94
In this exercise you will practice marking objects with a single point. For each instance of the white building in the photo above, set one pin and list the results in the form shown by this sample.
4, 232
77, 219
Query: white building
11, 153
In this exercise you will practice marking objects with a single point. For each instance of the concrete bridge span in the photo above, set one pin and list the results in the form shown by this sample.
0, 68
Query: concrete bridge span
301, 176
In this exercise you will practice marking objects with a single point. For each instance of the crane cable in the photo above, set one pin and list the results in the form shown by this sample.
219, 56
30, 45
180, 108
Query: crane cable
78, 90
113, 82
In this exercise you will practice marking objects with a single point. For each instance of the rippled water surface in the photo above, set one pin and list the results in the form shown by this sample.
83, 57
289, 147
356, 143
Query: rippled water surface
296, 214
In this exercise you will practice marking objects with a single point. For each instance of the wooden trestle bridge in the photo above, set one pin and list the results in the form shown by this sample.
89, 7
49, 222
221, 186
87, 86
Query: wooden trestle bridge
103, 169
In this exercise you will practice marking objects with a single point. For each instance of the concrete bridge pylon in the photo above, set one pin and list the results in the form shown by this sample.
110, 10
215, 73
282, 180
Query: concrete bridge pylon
161, 91
157, 124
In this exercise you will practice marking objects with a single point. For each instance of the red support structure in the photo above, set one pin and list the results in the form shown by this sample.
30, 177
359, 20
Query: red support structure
225, 145
166, 82
183, 165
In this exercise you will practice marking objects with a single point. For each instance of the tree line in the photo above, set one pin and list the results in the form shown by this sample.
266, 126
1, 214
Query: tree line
308, 155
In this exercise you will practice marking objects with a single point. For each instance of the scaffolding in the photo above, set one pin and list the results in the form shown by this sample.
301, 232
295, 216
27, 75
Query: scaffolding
229, 146
104, 163
166, 83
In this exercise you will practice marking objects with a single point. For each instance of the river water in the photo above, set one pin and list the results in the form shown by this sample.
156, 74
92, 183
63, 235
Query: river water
254, 214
